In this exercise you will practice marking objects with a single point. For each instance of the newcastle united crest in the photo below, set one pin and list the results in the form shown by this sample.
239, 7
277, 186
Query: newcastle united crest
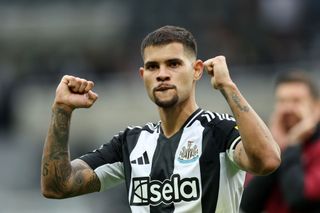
188, 153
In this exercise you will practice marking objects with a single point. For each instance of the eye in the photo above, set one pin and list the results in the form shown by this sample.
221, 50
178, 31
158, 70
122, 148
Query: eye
174, 64
152, 67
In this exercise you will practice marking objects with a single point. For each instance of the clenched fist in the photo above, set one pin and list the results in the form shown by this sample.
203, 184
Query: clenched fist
74, 92
218, 70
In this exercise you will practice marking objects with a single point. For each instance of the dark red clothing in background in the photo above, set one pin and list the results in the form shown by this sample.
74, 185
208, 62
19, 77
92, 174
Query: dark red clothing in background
293, 188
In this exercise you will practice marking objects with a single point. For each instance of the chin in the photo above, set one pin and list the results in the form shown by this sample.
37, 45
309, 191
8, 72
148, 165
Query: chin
167, 103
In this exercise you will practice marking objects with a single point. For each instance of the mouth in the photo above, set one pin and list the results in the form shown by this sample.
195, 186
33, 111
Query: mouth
163, 87
290, 120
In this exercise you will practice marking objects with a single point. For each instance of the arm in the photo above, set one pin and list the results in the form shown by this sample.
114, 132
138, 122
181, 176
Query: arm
61, 178
258, 152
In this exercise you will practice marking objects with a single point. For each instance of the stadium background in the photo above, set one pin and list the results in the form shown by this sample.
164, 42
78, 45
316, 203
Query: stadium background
40, 41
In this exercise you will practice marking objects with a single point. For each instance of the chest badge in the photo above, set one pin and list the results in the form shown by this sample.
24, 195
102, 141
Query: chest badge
189, 153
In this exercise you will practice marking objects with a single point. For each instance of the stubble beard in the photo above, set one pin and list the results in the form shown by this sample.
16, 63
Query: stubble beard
167, 103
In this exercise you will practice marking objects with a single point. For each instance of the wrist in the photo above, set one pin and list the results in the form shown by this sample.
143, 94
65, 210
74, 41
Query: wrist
227, 86
64, 107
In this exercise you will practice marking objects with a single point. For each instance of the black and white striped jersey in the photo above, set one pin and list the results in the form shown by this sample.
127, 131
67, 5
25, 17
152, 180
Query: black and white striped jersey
192, 171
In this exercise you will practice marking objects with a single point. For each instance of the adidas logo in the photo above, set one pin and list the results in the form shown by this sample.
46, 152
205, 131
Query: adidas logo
141, 160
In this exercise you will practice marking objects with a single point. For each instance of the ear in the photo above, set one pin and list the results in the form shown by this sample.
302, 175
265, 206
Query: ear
198, 69
141, 71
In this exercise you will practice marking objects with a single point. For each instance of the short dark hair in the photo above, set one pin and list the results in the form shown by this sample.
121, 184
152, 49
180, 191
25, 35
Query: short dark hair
299, 77
169, 34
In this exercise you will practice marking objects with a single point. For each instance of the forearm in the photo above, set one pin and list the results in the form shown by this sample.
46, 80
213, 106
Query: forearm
56, 165
262, 154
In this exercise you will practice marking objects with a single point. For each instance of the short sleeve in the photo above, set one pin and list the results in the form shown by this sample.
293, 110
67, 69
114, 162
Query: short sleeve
107, 162
230, 136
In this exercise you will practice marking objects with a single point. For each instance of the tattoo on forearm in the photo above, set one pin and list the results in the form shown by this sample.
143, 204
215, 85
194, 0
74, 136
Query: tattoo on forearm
56, 162
45, 169
61, 125
236, 99
94, 183
56, 165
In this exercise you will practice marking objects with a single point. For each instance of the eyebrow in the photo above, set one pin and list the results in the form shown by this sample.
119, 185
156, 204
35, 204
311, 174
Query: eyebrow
172, 60
149, 63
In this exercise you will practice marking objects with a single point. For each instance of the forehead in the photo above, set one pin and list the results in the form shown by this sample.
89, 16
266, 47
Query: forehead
293, 90
164, 52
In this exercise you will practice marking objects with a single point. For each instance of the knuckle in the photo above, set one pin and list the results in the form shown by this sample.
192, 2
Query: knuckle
223, 58
66, 76
90, 84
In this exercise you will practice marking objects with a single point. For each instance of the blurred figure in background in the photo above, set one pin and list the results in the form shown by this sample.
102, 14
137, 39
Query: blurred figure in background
294, 187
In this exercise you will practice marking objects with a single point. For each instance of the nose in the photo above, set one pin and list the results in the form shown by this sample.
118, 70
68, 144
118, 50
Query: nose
163, 74
287, 106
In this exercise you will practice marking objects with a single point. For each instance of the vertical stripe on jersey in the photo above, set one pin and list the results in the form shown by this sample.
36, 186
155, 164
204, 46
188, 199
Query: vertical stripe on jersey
231, 186
147, 142
163, 165
210, 167
191, 140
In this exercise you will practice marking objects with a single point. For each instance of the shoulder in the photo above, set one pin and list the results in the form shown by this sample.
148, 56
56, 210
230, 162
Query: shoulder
214, 119
136, 130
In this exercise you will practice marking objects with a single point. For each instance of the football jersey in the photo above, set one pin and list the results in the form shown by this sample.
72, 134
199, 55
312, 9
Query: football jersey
191, 171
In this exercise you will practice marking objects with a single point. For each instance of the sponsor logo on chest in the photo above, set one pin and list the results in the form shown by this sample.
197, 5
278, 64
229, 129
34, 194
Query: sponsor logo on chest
153, 192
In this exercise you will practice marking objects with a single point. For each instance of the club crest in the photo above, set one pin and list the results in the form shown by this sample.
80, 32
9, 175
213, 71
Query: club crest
188, 153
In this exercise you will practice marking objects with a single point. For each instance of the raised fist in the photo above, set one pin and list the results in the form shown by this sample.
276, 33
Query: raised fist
218, 70
74, 92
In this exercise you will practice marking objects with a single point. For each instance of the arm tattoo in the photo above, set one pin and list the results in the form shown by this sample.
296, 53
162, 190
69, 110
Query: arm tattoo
60, 126
58, 174
85, 180
94, 184
91, 185
45, 169
235, 98
56, 161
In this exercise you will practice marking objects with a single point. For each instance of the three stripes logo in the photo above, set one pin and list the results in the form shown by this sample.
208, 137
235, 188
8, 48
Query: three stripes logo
143, 160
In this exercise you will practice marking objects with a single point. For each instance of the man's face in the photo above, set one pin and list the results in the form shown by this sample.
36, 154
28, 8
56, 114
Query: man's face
168, 73
293, 102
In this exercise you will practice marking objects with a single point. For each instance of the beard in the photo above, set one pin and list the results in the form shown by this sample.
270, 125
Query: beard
169, 100
166, 103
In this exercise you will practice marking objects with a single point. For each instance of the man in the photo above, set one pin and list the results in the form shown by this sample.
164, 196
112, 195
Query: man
192, 160
294, 187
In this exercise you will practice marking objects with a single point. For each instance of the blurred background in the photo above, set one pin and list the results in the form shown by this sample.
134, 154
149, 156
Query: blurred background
40, 41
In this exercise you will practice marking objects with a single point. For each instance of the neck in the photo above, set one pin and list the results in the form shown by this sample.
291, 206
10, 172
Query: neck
173, 118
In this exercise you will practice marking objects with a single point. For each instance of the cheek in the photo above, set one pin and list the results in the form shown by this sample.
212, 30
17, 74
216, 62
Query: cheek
185, 83
148, 83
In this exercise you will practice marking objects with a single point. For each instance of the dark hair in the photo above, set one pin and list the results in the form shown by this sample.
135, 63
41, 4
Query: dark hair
169, 34
299, 77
